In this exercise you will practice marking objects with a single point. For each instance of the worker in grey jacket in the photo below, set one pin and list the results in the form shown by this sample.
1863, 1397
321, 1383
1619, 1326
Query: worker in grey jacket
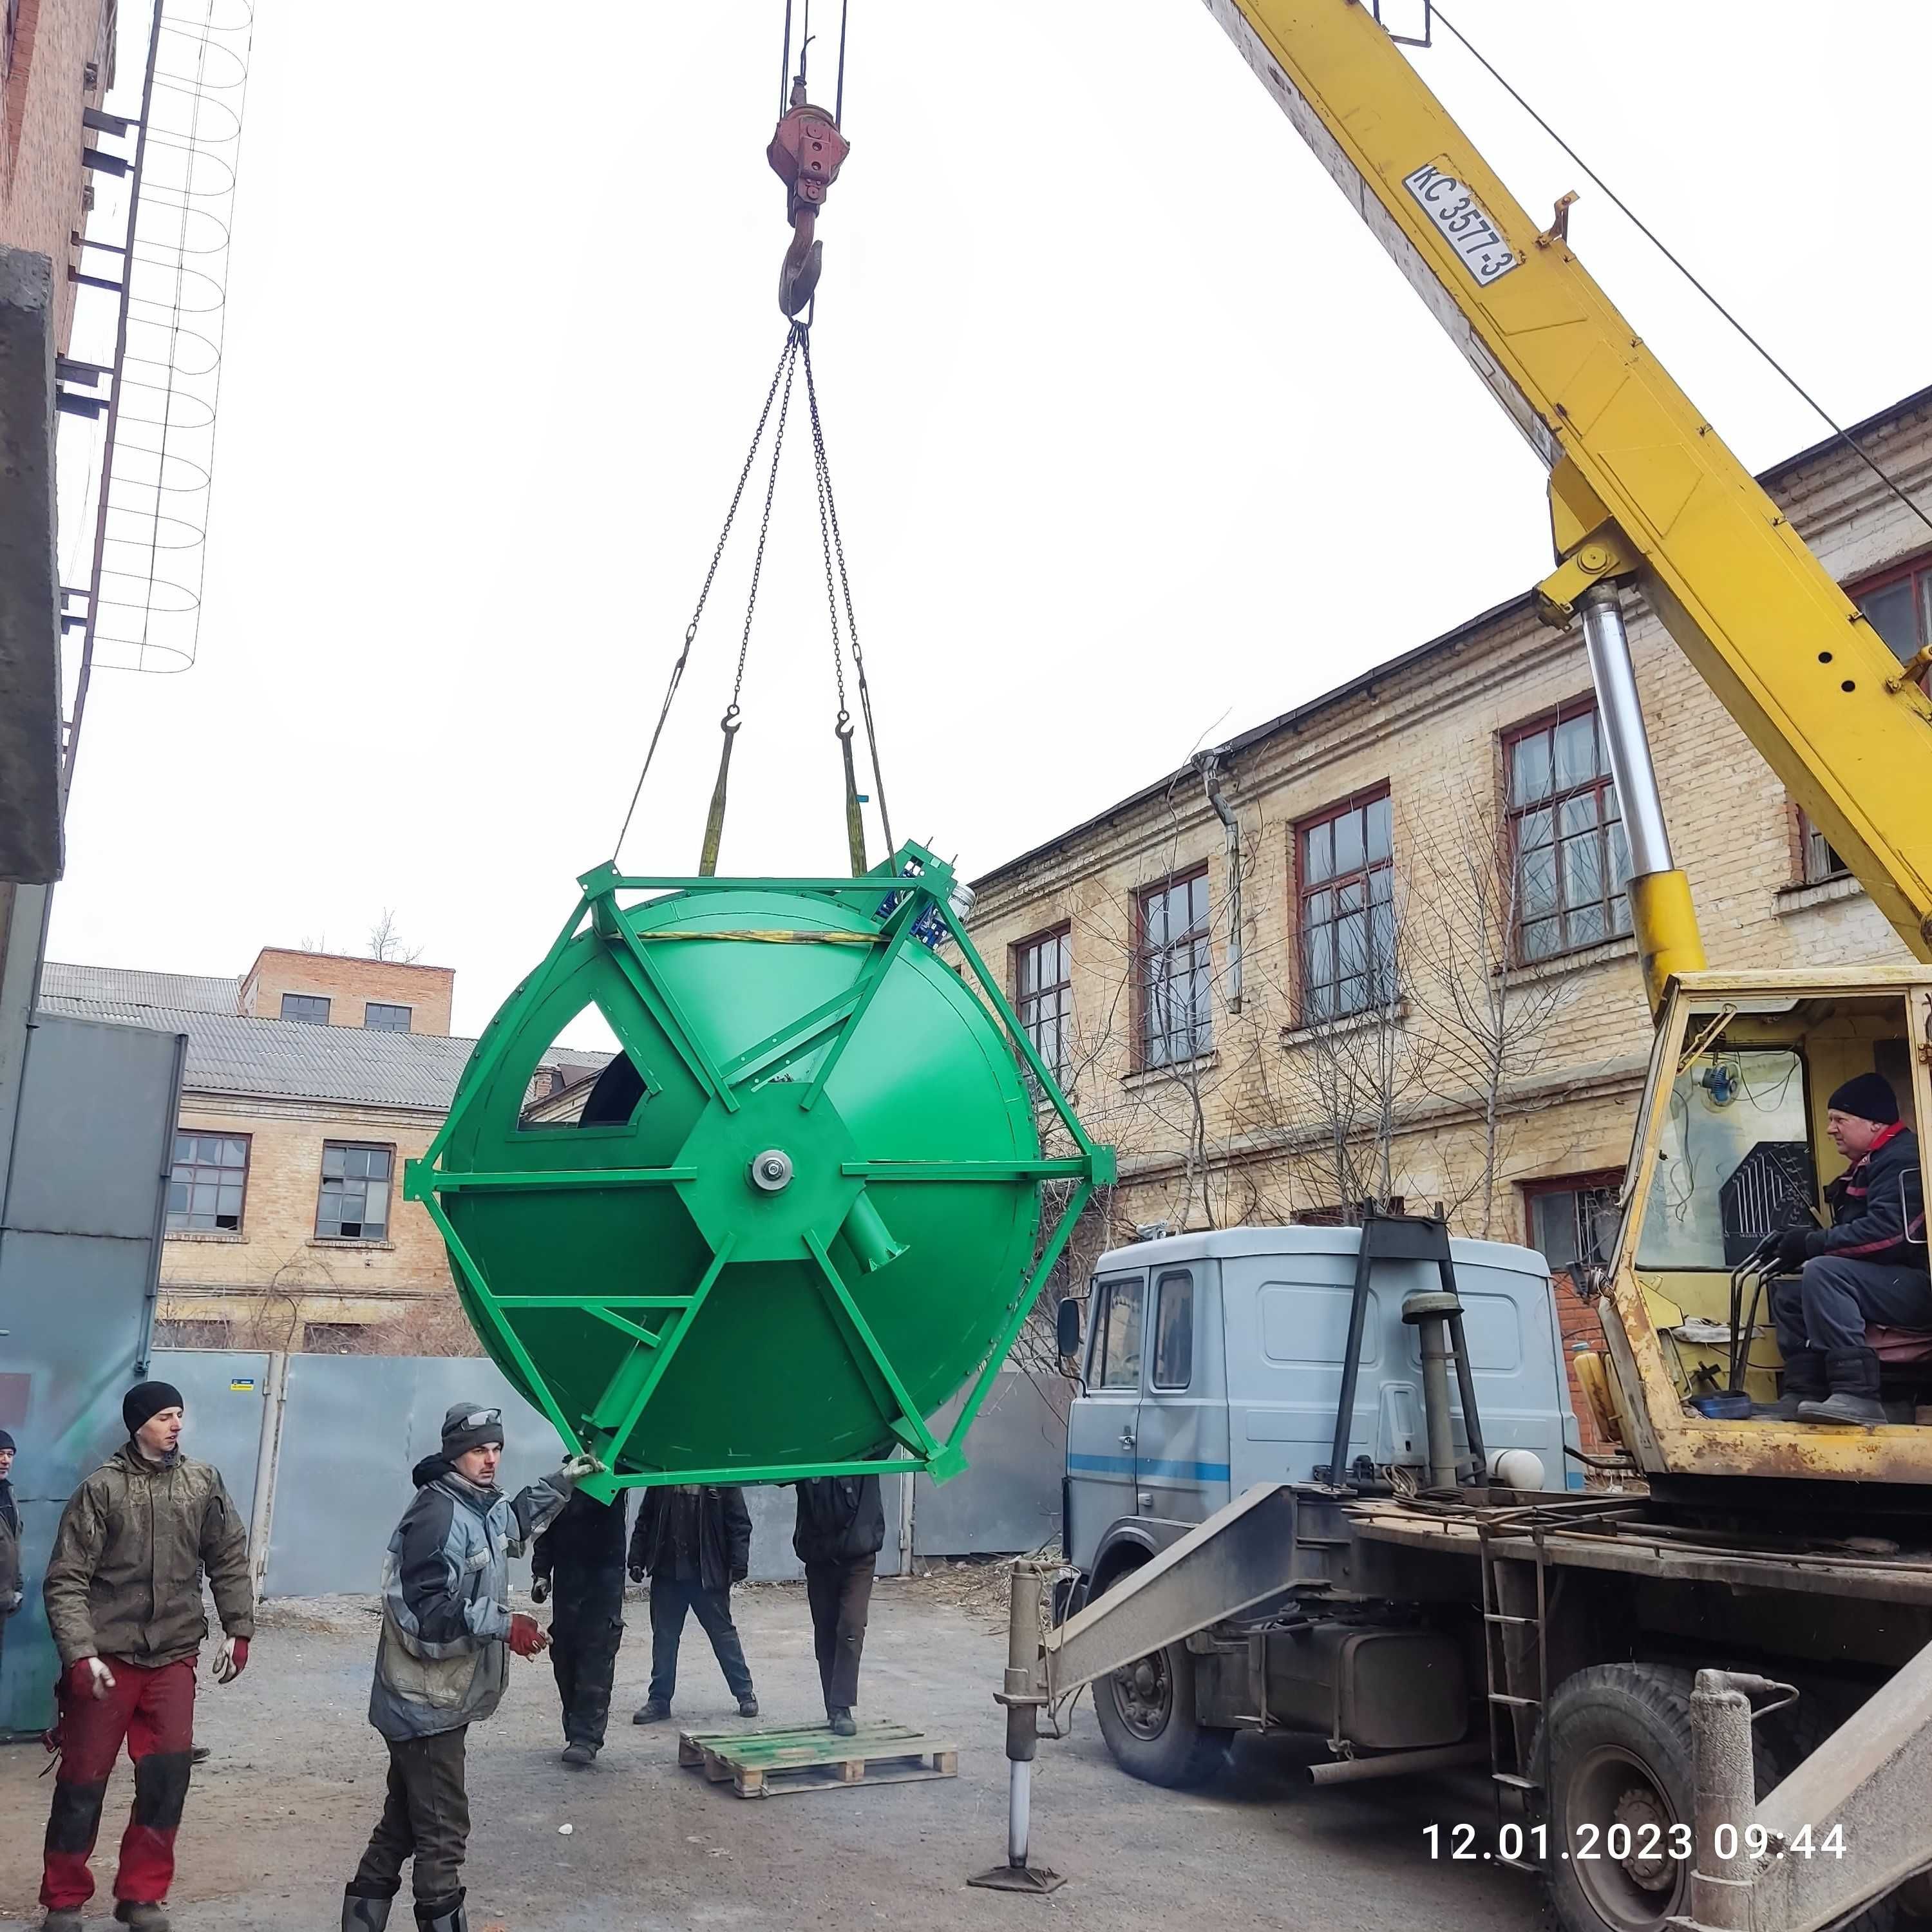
442, 1662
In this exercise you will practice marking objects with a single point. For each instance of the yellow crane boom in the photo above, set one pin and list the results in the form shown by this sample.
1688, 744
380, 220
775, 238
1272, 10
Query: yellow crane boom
1640, 484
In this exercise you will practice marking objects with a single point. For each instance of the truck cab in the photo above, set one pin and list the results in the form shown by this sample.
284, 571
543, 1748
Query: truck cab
1211, 1362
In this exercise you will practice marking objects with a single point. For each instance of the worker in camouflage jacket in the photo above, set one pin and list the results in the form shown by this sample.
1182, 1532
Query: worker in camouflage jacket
1868, 1267
441, 1661
123, 1595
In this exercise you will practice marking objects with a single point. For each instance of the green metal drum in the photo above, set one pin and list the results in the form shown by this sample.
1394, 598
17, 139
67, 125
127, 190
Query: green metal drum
800, 1211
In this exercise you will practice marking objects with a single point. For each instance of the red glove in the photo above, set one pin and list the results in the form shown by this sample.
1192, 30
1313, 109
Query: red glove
528, 1638
231, 1660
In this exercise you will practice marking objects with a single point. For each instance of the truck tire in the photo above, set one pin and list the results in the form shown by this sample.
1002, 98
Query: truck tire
1146, 1714
1616, 1750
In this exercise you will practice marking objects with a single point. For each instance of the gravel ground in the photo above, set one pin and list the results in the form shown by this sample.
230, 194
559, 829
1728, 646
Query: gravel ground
278, 1817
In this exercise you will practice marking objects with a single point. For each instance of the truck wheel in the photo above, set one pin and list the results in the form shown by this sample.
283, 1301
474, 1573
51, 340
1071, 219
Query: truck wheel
1146, 1711
1617, 1773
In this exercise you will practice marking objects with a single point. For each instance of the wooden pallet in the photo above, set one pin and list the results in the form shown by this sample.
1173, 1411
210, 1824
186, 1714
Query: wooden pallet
767, 1764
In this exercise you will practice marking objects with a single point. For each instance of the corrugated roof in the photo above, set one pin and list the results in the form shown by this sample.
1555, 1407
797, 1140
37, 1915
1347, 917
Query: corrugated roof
126, 985
288, 1059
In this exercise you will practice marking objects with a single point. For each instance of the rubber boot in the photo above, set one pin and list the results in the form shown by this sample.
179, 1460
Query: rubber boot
1803, 1382
1853, 1402
142, 1914
365, 1915
442, 1915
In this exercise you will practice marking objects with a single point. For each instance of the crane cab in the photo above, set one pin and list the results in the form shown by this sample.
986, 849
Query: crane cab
1730, 1136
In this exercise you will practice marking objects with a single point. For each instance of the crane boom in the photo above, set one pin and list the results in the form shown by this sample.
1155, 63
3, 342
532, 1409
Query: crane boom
1640, 484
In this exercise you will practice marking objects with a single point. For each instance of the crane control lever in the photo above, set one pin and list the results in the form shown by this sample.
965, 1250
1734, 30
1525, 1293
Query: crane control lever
806, 152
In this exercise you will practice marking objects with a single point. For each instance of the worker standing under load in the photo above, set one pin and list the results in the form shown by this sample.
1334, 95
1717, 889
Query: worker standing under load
840, 1531
694, 1541
579, 1562
123, 1593
440, 1661
1868, 1267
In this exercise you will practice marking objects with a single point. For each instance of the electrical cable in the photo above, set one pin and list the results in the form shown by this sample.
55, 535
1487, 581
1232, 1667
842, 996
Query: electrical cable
1616, 201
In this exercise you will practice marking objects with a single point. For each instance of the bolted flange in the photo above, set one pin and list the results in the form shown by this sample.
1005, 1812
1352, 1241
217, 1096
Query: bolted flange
770, 1172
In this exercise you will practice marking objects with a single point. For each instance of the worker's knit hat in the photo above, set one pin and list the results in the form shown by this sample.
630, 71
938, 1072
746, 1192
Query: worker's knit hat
1867, 1095
146, 1400
6, 1441
468, 1425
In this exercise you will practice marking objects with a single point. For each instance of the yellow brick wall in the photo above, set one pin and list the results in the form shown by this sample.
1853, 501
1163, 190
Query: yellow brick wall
41, 179
275, 1275
1431, 730
349, 984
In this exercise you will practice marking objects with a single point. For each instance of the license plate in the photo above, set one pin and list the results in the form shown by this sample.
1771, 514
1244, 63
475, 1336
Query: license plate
1463, 219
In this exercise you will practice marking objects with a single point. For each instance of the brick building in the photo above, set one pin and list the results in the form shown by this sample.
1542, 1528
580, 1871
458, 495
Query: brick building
309, 1080
1401, 964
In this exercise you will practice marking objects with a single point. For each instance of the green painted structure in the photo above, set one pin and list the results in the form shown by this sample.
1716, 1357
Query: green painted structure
802, 1208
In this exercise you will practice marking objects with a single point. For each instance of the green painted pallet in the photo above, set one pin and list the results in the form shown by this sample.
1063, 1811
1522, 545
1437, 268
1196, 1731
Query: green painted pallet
767, 1764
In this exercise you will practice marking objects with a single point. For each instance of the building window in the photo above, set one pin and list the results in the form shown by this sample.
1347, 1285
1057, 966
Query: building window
355, 1203
311, 1007
1043, 996
1346, 879
1572, 1223
1176, 971
208, 1184
1566, 836
376, 1018
1898, 604
1820, 862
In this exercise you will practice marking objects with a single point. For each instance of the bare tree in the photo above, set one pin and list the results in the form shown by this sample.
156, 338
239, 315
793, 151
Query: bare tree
385, 941
428, 1325
1487, 1014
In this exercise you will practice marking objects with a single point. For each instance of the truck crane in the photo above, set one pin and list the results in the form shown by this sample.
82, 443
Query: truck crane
1797, 1558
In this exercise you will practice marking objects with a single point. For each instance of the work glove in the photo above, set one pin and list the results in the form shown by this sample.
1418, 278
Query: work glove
1792, 1251
528, 1638
638, 1573
12, 1604
739, 1576
575, 1469
231, 1660
539, 1589
89, 1678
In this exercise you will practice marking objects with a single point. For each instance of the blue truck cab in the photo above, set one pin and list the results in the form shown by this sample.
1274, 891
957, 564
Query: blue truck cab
1210, 1362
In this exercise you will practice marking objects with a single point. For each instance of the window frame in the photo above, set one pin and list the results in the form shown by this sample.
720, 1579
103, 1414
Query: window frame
359, 1240
247, 1141
409, 1014
1158, 1298
1200, 1039
1107, 1290
323, 1000
1301, 890
1551, 720
1591, 1180
1062, 936
1916, 569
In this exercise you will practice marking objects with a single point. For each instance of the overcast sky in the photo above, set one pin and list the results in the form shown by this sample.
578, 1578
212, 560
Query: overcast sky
1139, 439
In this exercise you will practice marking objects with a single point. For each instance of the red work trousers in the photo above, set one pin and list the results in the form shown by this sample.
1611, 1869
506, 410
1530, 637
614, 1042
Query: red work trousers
153, 1711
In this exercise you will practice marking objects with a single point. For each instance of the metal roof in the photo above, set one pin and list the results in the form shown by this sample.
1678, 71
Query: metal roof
125, 985
228, 1053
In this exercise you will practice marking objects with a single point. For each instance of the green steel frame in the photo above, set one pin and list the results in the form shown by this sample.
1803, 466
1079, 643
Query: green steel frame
923, 894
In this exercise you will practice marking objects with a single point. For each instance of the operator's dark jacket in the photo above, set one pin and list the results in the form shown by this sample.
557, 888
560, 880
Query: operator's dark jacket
1878, 1207
841, 1518
723, 1534
581, 1554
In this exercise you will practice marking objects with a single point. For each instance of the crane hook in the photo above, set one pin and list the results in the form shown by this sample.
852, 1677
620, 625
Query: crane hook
806, 152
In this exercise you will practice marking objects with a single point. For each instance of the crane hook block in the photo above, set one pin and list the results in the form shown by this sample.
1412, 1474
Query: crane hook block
806, 153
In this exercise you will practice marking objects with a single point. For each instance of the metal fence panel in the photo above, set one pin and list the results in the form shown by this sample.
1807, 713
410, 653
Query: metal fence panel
78, 1256
223, 1391
1008, 1501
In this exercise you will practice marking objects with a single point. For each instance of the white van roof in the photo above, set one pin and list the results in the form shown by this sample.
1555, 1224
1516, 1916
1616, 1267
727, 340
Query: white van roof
1218, 1243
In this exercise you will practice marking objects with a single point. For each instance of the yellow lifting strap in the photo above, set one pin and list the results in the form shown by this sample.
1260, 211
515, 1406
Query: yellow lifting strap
714, 820
855, 823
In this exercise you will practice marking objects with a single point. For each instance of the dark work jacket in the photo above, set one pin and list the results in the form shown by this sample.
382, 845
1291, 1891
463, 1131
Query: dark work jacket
581, 1555
10, 1545
840, 1519
723, 1534
1878, 1207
